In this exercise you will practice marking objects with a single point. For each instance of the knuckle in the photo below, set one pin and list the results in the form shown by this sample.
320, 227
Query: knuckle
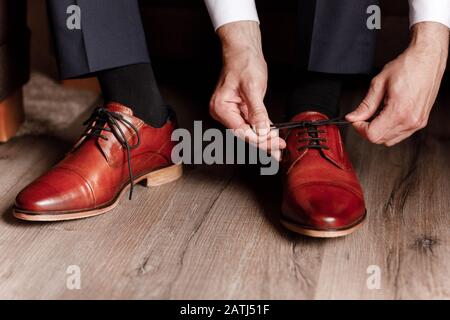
373, 138
376, 84
215, 108
400, 112
213, 113
414, 122
213, 105
258, 116
259, 111
402, 117
253, 84
423, 124
364, 106
397, 90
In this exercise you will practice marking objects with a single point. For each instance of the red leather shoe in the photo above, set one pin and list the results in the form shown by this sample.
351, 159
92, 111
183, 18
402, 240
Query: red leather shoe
322, 196
116, 151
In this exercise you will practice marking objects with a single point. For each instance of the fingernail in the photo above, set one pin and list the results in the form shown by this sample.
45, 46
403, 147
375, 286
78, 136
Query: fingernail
261, 131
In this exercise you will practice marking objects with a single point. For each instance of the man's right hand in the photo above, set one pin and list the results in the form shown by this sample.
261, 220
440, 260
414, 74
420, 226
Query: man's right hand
238, 100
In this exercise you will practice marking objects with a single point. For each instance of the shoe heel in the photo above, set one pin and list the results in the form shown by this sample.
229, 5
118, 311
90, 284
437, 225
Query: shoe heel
163, 176
12, 115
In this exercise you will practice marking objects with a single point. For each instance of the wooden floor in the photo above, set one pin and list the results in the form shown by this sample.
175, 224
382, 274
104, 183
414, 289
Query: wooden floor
214, 234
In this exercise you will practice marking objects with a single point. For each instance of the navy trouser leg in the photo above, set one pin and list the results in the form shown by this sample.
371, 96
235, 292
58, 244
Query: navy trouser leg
111, 35
334, 37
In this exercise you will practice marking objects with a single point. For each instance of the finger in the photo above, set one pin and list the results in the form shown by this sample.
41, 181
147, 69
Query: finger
270, 144
273, 141
370, 103
272, 147
230, 116
224, 107
257, 112
361, 128
275, 134
244, 111
276, 145
259, 120
273, 144
397, 136
398, 139
367, 131
384, 127
228, 110
276, 155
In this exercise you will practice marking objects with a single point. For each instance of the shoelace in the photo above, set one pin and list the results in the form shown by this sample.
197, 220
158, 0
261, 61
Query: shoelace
315, 142
96, 124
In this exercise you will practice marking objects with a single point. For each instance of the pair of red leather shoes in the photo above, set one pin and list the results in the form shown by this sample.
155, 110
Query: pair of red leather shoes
322, 195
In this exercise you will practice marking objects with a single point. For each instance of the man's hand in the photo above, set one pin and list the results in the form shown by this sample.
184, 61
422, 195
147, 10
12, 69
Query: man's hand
238, 100
407, 86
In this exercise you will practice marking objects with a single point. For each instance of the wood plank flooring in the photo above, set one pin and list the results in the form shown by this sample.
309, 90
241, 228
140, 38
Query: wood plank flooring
214, 234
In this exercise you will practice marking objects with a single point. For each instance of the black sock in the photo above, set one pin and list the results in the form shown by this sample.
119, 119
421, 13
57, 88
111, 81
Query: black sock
316, 92
135, 87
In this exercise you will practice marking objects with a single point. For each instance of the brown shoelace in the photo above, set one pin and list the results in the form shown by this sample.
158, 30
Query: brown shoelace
96, 124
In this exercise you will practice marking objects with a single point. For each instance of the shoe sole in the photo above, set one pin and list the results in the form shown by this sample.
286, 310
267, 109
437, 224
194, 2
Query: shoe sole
152, 179
322, 233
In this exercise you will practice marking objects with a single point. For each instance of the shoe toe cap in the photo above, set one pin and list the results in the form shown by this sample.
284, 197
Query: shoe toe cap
58, 191
324, 206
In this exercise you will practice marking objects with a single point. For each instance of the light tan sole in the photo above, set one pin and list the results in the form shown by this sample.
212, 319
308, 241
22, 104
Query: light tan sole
153, 179
12, 115
318, 233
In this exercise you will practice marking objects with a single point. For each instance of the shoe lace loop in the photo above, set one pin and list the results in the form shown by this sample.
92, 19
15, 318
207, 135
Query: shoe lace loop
312, 130
95, 125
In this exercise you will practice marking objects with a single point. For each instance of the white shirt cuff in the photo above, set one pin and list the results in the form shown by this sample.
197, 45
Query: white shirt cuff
226, 11
429, 10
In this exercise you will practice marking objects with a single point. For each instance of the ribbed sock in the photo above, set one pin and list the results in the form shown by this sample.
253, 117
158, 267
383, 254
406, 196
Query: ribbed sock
135, 87
316, 92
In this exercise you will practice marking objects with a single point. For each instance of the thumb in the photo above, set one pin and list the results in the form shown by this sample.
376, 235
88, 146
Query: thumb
362, 128
257, 113
370, 104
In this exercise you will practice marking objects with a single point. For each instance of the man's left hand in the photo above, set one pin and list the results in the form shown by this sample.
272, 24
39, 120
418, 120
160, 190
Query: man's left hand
407, 87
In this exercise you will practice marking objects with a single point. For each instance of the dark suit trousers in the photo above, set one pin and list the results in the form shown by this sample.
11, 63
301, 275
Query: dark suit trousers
334, 37
111, 35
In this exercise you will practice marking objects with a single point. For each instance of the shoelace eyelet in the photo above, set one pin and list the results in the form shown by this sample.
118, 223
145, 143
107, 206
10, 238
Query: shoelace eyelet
112, 120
